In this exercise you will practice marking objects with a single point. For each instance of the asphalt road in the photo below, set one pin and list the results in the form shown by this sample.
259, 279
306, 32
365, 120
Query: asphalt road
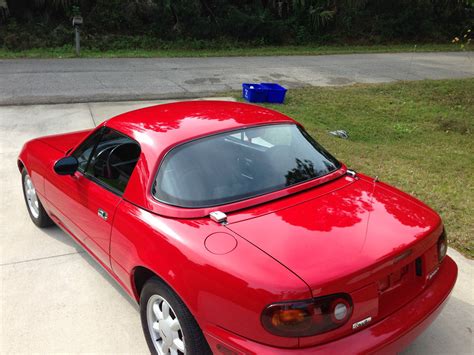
36, 81
54, 298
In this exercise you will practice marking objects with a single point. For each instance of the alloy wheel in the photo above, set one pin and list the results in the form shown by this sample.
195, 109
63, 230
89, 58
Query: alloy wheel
31, 197
164, 327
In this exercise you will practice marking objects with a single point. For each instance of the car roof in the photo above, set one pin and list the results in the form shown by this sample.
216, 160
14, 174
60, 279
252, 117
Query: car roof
173, 123
160, 128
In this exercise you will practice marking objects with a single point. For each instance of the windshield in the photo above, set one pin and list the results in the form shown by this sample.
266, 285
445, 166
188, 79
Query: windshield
237, 165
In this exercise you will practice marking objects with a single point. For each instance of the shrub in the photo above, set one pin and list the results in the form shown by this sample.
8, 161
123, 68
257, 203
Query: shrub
151, 23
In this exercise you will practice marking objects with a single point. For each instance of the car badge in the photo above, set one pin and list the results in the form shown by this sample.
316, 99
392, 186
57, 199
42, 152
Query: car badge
432, 273
361, 323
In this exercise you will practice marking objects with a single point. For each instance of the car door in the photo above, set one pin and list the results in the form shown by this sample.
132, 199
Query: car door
88, 199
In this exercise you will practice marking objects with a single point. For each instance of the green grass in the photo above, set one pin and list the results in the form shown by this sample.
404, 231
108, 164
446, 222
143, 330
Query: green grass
417, 136
68, 51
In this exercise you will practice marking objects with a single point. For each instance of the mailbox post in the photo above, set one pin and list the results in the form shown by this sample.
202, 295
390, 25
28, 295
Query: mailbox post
77, 23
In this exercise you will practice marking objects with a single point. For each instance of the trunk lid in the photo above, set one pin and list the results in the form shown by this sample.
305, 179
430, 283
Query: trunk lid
341, 236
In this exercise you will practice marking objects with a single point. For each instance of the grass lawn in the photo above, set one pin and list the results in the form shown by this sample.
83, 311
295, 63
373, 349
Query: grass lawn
417, 136
68, 51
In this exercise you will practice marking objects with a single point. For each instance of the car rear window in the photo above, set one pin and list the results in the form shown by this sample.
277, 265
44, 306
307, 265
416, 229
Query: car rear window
238, 165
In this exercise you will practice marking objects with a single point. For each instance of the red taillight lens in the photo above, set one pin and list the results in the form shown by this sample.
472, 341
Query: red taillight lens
310, 317
442, 246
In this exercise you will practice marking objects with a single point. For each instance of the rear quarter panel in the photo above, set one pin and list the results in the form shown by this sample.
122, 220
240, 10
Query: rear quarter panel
229, 290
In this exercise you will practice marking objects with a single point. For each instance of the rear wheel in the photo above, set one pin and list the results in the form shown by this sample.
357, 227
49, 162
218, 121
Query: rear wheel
35, 209
168, 325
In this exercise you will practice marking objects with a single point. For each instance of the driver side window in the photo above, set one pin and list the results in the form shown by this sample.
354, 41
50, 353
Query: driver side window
84, 151
109, 159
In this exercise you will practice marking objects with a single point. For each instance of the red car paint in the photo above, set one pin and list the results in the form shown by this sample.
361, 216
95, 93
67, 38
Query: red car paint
335, 234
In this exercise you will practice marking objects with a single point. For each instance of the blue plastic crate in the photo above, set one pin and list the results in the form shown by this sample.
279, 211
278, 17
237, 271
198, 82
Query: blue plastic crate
275, 93
253, 92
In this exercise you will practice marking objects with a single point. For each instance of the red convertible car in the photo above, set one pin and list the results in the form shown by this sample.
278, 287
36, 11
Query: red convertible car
238, 233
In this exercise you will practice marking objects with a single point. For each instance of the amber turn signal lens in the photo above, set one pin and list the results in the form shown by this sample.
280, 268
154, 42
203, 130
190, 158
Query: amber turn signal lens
288, 317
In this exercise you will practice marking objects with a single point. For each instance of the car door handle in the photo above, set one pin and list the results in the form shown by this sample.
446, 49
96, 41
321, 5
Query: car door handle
102, 214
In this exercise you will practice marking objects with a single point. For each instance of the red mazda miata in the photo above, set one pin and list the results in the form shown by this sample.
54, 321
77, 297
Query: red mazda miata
238, 233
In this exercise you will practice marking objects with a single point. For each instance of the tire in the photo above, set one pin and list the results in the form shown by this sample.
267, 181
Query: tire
35, 209
154, 295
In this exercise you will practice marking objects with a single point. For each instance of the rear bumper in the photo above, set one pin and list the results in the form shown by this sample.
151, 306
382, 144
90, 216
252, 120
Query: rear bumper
390, 334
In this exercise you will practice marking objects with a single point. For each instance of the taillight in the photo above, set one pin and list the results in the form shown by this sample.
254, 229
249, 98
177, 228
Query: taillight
309, 317
442, 246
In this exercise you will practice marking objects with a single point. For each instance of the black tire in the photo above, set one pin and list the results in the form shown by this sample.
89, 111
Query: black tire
194, 341
42, 220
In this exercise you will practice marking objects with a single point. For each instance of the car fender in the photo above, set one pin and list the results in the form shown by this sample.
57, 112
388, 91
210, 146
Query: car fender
211, 285
35, 156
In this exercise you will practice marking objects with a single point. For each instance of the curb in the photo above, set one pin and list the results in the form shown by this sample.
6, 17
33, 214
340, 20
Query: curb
55, 100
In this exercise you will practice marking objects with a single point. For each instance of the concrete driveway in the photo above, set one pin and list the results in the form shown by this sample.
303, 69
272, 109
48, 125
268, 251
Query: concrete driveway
56, 299
34, 81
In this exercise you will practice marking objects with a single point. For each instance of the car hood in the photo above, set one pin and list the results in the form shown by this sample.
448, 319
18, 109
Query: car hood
64, 142
345, 231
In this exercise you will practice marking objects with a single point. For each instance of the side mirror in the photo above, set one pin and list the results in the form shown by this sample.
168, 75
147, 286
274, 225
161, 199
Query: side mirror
66, 166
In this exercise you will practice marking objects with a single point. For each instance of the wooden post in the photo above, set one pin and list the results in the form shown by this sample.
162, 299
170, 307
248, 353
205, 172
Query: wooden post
78, 40
77, 23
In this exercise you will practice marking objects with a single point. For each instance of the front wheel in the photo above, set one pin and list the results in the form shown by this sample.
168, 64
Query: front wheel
35, 209
168, 325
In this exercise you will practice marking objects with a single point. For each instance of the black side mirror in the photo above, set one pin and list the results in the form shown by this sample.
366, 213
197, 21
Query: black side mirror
66, 166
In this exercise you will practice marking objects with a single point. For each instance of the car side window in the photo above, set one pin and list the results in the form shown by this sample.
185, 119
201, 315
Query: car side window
113, 159
84, 151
